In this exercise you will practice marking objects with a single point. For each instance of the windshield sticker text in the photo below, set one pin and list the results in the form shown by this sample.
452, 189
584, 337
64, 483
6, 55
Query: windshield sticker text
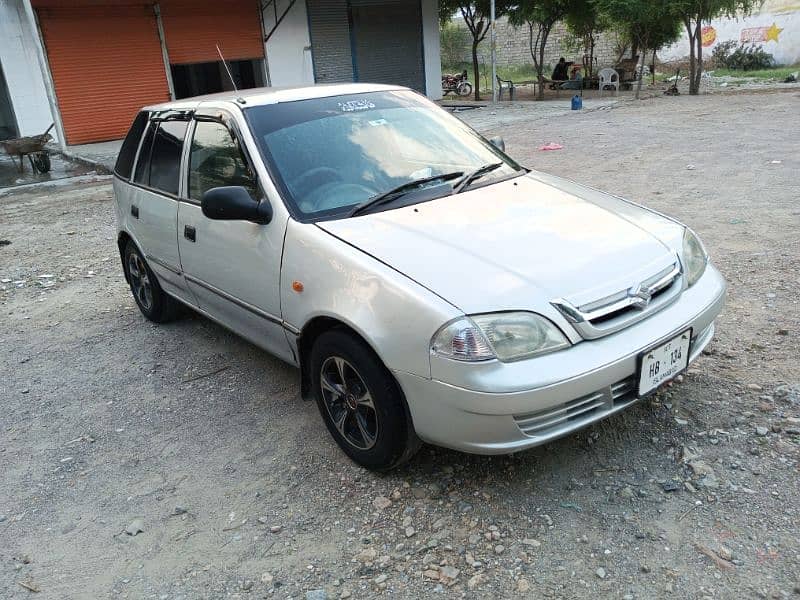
354, 105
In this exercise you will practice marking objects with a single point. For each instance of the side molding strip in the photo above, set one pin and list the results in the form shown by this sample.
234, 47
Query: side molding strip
242, 304
161, 263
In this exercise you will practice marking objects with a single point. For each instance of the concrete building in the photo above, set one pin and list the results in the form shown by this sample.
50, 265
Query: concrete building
89, 65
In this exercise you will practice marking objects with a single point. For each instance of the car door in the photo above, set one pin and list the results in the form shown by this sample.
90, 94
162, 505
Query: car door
154, 200
232, 267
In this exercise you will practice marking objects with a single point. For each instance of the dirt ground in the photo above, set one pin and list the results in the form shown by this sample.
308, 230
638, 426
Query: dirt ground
201, 441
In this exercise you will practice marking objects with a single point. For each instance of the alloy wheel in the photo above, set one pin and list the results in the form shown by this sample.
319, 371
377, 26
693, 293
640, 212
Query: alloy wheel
140, 281
349, 402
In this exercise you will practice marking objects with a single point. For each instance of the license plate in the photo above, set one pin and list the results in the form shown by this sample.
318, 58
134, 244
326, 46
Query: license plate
662, 363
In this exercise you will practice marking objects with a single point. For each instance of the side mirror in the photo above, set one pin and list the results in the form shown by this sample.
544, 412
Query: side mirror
498, 143
233, 203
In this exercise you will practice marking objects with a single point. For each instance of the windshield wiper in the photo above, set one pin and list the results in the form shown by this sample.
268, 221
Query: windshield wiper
399, 191
473, 175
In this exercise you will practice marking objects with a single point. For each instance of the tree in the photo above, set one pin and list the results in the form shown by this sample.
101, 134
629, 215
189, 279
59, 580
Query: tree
696, 12
585, 21
539, 16
476, 17
647, 24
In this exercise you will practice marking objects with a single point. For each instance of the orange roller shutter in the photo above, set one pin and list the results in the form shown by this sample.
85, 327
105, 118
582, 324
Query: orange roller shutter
106, 64
194, 29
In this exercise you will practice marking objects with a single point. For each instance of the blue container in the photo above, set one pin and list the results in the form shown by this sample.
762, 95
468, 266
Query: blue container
577, 102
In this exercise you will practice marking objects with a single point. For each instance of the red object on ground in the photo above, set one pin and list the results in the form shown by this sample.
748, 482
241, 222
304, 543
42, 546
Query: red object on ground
551, 146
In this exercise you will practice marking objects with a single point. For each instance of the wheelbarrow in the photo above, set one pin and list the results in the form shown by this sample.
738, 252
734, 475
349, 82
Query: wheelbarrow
33, 147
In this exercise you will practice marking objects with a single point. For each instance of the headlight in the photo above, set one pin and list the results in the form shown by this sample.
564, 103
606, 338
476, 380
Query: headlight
506, 336
694, 257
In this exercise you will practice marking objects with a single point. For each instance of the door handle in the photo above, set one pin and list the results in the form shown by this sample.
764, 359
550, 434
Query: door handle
134, 211
189, 233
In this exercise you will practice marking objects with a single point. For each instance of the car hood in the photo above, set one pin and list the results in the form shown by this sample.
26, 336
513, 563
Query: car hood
517, 244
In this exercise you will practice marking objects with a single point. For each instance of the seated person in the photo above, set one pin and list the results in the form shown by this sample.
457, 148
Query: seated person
575, 82
560, 72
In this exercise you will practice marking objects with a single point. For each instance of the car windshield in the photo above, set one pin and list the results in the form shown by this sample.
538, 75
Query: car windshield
330, 155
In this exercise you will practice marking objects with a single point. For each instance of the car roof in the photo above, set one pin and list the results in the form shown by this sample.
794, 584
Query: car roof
272, 95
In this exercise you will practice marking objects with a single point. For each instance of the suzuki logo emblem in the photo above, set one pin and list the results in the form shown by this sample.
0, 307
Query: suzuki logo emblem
640, 296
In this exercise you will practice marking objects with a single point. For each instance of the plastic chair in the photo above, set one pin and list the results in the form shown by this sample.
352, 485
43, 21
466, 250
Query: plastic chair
506, 84
609, 78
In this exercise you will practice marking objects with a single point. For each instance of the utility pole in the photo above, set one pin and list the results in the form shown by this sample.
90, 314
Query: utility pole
493, 39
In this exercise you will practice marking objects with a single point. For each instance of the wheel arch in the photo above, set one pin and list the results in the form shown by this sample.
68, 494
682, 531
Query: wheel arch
311, 331
123, 237
309, 334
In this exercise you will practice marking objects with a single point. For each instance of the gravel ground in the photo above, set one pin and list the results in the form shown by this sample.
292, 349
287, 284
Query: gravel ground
198, 443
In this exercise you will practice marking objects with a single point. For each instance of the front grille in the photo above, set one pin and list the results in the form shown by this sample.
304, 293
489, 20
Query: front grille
630, 310
581, 410
621, 309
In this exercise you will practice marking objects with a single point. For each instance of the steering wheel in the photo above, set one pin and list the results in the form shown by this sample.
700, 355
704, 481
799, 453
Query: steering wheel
315, 177
335, 194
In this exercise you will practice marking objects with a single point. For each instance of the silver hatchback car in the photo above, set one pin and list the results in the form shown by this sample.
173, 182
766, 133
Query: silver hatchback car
427, 286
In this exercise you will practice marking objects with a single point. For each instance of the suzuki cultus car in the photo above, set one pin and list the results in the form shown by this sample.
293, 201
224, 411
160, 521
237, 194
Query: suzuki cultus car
427, 286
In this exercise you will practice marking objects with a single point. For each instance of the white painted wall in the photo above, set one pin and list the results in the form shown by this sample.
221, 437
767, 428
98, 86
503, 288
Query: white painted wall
288, 50
784, 14
430, 42
21, 67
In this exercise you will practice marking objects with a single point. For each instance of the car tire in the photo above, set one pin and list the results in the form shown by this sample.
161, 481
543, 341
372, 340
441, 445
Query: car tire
361, 403
152, 301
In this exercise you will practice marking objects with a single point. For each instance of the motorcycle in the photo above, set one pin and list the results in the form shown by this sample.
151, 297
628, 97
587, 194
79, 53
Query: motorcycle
456, 84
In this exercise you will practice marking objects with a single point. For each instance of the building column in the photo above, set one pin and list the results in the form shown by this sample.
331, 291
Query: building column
44, 66
430, 43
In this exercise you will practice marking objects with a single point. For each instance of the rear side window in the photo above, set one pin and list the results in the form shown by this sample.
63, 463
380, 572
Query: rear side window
127, 153
142, 174
165, 158
160, 157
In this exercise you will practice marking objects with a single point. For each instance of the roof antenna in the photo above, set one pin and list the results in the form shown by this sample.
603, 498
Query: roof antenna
227, 70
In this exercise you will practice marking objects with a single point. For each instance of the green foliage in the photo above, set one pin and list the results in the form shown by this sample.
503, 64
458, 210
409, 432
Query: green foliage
476, 15
542, 12
646, 24
539, 16
743, 58
585, 19
776, 73
722, 53
452, 42
705, 10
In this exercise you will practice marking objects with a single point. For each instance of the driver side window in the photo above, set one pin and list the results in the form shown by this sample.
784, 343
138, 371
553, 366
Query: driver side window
216, 160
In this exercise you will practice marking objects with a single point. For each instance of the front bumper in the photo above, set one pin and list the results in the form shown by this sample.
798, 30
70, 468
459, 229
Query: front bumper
499, 408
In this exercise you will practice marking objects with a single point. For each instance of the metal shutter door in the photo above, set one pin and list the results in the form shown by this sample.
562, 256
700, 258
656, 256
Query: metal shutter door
194, 29
387, 37
106, 64
330, 40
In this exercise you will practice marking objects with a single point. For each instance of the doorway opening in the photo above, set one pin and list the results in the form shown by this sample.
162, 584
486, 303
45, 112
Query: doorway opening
210, 77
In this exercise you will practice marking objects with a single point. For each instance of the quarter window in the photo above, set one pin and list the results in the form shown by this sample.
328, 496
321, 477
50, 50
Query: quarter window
216, 160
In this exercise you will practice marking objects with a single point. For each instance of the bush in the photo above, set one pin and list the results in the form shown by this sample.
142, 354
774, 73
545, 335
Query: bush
743, 58
722, 52
454, 44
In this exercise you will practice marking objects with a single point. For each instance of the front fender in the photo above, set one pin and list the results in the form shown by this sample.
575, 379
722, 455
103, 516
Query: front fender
395, 315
